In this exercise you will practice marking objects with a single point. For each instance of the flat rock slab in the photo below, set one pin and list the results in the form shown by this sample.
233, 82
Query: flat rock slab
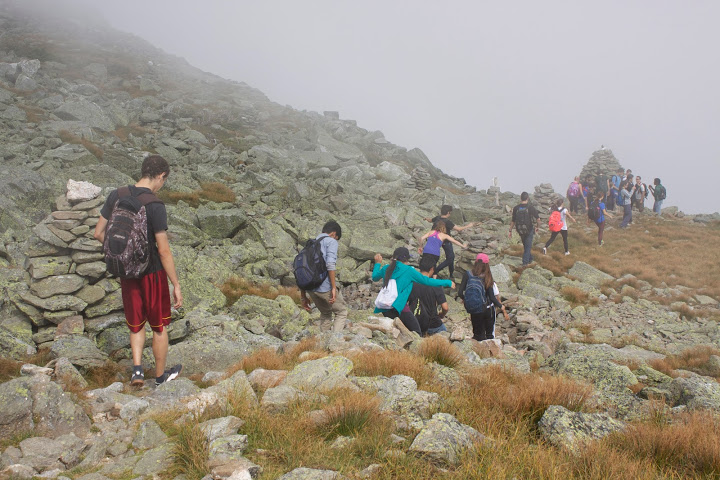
567, 429
81, 351
155, 461
323, 374
303, 473
443, 439
589, 274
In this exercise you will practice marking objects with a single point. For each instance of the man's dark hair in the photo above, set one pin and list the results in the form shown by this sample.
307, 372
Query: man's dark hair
332, 226
153, 166
524, 196
657, 181
445, 209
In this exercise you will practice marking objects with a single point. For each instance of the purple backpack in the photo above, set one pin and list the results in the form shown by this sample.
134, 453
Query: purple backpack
126, 247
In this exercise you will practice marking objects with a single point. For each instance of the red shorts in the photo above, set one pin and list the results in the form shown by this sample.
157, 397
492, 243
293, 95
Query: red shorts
146, 299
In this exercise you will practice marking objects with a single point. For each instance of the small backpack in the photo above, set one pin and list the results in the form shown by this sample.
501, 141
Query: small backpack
523, 223
594, 211
573, 190
476, 299
126, 246
555, 223
387, 296
309, 265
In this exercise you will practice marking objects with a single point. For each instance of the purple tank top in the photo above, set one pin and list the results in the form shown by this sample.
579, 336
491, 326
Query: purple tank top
433, 244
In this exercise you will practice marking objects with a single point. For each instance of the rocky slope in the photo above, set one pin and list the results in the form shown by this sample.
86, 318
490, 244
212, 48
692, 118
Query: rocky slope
79, 101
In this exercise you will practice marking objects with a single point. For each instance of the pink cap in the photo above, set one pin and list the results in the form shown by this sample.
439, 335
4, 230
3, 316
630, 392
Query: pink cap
483, 257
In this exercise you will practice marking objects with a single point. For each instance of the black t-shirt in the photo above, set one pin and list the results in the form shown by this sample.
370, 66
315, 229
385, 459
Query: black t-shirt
449, 225
157, 220
424, 301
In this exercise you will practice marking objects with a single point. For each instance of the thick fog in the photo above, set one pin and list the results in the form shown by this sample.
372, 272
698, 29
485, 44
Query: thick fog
524, 90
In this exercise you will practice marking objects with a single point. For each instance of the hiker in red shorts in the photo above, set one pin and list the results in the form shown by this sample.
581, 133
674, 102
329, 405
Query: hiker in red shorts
146, 296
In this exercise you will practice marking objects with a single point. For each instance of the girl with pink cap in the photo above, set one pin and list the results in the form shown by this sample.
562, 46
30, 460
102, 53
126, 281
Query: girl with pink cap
477, 290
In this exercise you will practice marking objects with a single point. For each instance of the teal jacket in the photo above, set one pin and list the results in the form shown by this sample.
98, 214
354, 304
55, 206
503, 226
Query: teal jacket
405, 276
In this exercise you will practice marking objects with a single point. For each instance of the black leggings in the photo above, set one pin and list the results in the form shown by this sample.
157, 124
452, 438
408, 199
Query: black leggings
552, 239
407, 318
449, 259
483, 324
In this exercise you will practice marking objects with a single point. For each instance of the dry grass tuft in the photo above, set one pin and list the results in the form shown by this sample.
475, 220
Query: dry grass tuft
270, 359
235, 287
521, 397
440, 350
266, 358
69, 137
392, 362
209, 191
216, 192
101, 377
190, 452
577, 296
695, 359
348, 415
690, 445
9, 369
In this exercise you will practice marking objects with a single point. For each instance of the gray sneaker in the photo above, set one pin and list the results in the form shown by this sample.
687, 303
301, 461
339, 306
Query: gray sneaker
169, 374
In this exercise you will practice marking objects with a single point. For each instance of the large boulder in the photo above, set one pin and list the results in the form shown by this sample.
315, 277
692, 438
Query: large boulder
36, 404
589, 274
443, 439
401, 399
221, 223
696, 392
87, 112
197, 354
281, 316
596, 364
564, 428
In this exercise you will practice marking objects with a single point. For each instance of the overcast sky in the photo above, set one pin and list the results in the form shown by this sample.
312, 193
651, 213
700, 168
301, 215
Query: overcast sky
523, 90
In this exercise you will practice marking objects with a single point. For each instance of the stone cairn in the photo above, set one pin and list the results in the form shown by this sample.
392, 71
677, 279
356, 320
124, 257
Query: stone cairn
67, 275
602, 161
420, 179
544, 199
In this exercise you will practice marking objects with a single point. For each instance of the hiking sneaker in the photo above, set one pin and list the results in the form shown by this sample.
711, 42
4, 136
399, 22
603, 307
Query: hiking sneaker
169, 374
137, 379
544, 251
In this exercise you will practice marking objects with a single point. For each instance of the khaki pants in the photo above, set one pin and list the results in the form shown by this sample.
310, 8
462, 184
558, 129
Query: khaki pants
327, 309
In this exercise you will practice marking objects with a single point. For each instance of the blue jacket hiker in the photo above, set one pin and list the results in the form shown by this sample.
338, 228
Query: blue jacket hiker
404, 276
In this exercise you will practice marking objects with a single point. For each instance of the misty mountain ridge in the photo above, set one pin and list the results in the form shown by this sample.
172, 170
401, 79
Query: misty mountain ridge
615, 347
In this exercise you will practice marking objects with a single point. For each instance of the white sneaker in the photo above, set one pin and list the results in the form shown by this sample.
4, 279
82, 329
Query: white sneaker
544, 251
567, 253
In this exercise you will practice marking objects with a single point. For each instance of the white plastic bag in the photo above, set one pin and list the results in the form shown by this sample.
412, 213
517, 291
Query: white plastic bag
387, 296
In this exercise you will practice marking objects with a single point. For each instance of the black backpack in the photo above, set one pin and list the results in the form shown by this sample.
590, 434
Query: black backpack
309, 266
126, 247
594, 211
523, 223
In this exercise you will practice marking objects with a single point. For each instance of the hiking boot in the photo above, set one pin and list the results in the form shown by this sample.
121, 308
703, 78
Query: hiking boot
544, 251
170, 374
137, 379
